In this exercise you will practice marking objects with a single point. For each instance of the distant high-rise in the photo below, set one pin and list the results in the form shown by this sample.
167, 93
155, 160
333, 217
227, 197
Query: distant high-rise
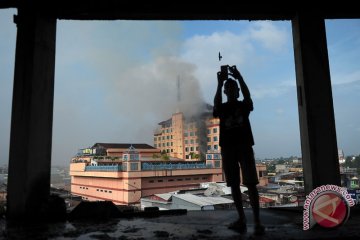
188, 138
341, 156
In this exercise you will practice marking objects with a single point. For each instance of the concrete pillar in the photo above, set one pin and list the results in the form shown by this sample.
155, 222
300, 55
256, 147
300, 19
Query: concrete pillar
32, 116
316, 111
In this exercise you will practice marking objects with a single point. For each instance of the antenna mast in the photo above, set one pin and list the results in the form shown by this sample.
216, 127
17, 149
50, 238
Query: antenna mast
178, 89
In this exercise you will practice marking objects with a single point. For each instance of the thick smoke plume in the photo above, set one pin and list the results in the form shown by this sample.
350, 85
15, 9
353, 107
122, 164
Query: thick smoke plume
148, 94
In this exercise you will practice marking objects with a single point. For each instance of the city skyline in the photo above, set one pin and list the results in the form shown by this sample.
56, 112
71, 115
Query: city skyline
116, 80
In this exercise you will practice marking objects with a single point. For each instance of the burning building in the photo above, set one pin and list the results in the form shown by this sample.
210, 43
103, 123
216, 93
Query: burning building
188, 137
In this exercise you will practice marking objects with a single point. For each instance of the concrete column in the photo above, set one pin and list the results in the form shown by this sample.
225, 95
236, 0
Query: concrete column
32, 116
316, 111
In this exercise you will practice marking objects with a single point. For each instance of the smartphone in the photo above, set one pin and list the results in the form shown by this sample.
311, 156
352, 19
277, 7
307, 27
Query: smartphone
225, 72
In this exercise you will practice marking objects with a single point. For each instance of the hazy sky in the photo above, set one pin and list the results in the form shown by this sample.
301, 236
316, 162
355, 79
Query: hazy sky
116, 80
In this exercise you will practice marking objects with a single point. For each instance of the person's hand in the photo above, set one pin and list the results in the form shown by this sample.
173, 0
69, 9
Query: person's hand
220, 79
234, 72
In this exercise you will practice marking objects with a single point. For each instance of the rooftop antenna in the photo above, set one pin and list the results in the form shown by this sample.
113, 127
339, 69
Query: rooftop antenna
178, 93
178, 89
220, 57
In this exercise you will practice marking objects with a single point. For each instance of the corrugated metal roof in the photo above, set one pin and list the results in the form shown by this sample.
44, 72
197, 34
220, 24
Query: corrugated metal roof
165, 196
202, 201
221, 186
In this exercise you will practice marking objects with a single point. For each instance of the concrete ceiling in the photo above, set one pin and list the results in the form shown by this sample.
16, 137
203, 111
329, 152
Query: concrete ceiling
182, 10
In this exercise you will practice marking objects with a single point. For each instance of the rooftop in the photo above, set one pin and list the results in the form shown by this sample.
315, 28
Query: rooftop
285, 223
123, 145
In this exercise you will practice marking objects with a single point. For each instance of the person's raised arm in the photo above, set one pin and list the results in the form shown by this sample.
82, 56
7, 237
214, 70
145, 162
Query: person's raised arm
244, 89
218, 94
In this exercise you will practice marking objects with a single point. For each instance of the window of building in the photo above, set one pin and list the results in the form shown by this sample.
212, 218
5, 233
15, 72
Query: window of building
192, 141
214, 130
191, 149
208, 131
186, 149
209, 147
110, 191
215, 139
185, 134
170, 180
133, 166
151, 181
186, 141
216, 147
217, 164
160, 180
134, 156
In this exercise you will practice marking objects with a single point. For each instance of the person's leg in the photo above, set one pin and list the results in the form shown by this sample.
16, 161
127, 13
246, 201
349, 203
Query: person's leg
254, 201
250, 179
236, 195
240, 224
232, 175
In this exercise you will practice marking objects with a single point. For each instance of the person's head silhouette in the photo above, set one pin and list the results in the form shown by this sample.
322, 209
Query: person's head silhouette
231, 90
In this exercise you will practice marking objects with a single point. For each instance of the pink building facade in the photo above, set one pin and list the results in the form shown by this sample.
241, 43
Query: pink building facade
124, 180
138, 173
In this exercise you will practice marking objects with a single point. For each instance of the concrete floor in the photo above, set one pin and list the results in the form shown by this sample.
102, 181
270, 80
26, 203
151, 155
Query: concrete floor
280, 224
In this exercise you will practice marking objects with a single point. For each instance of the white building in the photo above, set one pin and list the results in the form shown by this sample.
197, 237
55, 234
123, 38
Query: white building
341, 156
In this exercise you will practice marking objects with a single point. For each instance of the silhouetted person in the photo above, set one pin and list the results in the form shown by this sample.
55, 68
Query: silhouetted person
236, 141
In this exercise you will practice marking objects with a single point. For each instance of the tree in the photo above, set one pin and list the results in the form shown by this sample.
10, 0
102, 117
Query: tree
155, 155
270, 168
194, 155
164, 155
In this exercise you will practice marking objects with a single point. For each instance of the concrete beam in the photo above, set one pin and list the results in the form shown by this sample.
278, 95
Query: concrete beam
315, 103
32, 117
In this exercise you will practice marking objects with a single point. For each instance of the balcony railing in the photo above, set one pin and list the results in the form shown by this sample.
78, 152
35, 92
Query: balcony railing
151, 166
113, 168
173, 166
